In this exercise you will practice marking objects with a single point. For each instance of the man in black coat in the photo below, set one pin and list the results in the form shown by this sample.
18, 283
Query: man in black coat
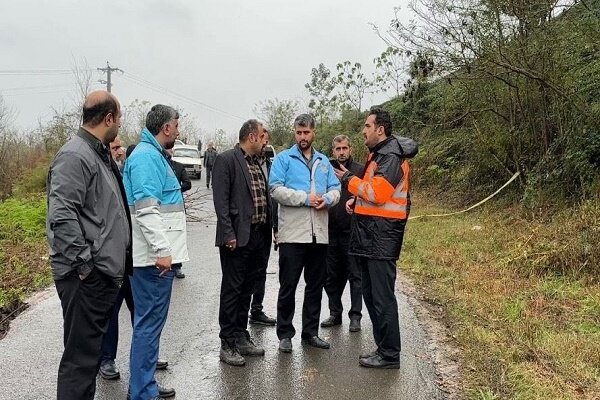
186, 184
241, 202
342, 268
210, 155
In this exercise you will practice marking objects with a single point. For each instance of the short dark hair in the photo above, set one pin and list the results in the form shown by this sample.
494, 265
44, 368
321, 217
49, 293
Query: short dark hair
158, 116
305, 120
382, 118
129, 150
247, 128
95, 114
340, 139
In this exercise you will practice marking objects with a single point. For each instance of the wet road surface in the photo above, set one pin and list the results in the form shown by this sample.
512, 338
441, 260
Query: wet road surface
31, 351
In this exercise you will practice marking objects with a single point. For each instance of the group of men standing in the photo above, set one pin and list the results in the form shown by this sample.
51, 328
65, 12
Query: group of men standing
106, 229
315, 234
102, 226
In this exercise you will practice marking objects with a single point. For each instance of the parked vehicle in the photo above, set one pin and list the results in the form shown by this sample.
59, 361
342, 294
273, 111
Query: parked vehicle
190, 157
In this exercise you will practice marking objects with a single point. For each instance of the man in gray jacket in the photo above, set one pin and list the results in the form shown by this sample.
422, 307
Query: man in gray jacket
89, 236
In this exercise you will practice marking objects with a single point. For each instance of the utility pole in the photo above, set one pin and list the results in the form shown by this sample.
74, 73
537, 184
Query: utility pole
108, 70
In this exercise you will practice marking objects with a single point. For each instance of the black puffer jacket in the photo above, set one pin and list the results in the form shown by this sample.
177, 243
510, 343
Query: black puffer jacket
339, 219
378, 237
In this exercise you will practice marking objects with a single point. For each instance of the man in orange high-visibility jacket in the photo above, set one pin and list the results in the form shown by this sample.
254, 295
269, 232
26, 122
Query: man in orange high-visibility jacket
381, 206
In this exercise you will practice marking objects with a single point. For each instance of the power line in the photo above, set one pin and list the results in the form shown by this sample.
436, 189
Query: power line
161, 89
35, 93
35, 71
19, 88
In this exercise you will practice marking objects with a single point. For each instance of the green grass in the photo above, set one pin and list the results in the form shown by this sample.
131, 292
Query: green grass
522, 297
24, 266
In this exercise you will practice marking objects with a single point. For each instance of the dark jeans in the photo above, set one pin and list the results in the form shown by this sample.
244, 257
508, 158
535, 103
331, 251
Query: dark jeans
293, 258
256, 306
110, 342
342, 268
378, 282
209, 169
87, 306
239, 268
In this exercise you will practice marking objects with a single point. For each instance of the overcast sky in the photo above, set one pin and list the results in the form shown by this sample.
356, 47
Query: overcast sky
219, 55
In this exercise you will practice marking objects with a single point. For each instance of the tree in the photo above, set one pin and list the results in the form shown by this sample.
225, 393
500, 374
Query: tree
222, 140
518, 99
133, 120
352, 84
321, 88
279, 116
391, 70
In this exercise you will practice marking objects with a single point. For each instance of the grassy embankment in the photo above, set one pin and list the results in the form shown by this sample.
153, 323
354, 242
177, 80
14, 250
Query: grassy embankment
24, 266
522, 297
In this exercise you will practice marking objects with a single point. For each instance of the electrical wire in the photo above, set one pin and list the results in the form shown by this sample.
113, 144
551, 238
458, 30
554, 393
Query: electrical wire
161, 89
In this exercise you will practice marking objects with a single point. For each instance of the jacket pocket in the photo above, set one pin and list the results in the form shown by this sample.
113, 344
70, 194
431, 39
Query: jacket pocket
174, 223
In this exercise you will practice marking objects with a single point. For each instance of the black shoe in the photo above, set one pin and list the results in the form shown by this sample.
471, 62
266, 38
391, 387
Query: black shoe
162, 364
285, 345
377, 361
165, 393
315, 341
368, 355
354, 324
246, 346
331, 321
179, 274
231, 355
261, 318
109, 371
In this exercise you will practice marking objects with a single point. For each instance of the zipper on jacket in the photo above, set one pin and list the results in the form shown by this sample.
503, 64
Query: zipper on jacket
312, 224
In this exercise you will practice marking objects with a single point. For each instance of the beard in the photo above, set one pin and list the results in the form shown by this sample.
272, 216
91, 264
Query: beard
169, 145
304, 144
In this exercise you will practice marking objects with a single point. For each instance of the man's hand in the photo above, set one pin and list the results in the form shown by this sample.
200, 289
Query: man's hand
231, 244
163, 264
340, 172
315, 201
320, 203
349, 205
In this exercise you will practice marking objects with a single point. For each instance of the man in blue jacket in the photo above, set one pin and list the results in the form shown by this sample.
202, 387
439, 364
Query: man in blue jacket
304, 184
159, 240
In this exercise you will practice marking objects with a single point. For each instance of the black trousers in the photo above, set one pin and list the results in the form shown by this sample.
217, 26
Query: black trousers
239, 268
110, 342
256, 306
293, 258
87, 307
208, 173
342, 268
378, 282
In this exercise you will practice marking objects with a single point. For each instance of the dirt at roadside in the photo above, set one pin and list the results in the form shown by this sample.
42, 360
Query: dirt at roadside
8, 313
441, 345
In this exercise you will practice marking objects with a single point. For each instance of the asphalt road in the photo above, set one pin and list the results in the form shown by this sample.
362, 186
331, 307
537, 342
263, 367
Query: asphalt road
31, 351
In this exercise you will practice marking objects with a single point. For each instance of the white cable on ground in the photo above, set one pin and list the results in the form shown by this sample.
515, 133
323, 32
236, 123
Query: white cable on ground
474, 205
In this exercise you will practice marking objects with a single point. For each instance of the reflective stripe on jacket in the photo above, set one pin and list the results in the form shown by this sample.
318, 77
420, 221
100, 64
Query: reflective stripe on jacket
382, 200
376, 196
